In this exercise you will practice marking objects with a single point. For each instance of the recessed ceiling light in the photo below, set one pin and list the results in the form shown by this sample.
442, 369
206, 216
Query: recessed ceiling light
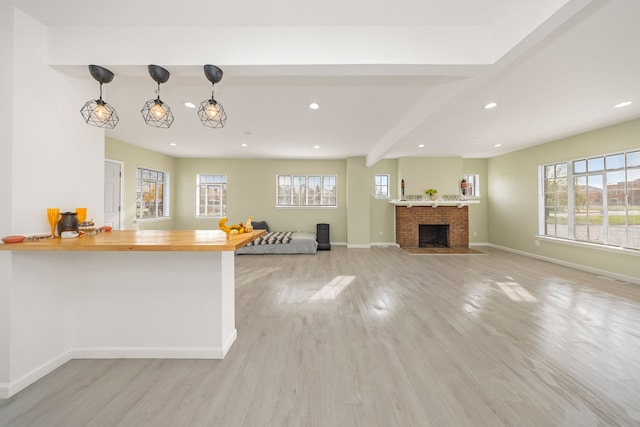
490, 105
420, 145
189, 104
314, 105
244, 145
623, 104
172, 144
316, 146
497, 145
247, 132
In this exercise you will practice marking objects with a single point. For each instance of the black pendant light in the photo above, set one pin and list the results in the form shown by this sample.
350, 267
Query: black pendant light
155, 112
211, 112
96, 112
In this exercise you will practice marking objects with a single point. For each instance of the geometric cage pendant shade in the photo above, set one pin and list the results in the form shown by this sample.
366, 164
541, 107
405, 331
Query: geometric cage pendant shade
97, 112
155, 112
211, 112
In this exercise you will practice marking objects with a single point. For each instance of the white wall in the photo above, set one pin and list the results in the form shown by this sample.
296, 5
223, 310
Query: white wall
6, 150
56, 160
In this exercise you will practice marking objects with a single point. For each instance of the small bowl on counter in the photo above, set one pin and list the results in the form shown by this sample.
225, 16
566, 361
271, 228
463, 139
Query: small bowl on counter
87, 228
13, 239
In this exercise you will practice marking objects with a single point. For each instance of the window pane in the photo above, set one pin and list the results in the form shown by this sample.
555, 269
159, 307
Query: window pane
595, 164
561, 170
550, 172
580, 166
314, 195
615, 162
150, 194
299, 190
212, 195
633, 159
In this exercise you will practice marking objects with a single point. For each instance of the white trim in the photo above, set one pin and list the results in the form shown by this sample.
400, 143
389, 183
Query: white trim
9, 389
480, 244
121, 212
158, 219
590, 245
149, 353
384, 244
339, 243
597, 271
349, 246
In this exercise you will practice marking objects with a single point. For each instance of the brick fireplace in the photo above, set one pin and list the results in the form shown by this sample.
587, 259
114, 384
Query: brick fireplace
409, 219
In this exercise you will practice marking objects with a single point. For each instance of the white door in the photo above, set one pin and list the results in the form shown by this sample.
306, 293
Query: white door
112, 185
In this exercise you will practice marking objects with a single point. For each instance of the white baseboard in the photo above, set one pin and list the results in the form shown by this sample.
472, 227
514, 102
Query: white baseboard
147, 353
9, 389
582, 267
479, 244
349, 246
385, 244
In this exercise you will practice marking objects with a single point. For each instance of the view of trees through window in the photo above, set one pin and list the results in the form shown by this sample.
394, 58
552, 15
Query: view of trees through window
306, 190
381, 183
594, 200
211, 195
150, 193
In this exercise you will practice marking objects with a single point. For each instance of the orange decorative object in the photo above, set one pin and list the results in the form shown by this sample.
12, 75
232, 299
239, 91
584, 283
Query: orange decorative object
82, 214
52, 216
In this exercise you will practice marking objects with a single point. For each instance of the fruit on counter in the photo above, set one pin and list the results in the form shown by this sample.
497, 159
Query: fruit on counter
235, 228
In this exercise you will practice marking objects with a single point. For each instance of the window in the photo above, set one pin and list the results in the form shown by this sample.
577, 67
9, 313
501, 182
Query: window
473, 185
306, 190
382, 186
211, 196
596, 200
152, 195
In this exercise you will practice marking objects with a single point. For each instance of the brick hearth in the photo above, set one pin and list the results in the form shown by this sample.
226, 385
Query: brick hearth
408, 220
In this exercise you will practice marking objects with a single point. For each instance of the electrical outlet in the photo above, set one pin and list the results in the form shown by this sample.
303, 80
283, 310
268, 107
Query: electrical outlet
475, 234
536, 242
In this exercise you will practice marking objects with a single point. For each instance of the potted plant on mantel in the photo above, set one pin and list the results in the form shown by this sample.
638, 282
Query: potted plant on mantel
431, 193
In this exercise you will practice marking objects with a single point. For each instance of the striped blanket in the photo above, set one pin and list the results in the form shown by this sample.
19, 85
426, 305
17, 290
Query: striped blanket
273, 238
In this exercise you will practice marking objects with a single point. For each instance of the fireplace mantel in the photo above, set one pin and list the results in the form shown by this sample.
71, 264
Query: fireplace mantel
434, 203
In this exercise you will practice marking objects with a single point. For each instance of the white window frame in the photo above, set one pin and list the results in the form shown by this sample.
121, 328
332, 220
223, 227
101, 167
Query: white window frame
630, 198
300, 182
381, 186
166, 181
217, 181
473, 185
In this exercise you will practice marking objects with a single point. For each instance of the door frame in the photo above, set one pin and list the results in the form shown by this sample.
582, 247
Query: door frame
120, 214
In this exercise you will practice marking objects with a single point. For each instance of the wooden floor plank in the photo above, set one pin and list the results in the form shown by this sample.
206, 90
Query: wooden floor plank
380, 337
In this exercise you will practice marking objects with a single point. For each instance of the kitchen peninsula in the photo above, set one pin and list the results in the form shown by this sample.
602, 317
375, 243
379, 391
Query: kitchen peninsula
119, 294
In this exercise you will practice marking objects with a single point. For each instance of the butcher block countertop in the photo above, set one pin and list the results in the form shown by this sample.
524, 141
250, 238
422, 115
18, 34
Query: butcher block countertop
142, 240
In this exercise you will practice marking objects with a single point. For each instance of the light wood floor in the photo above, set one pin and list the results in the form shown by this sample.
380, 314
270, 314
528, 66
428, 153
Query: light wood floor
380, 337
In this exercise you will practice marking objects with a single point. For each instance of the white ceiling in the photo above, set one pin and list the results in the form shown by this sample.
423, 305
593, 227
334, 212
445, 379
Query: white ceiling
388, 75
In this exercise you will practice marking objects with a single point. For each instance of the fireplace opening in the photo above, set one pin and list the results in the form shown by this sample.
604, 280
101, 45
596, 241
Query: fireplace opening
433, 236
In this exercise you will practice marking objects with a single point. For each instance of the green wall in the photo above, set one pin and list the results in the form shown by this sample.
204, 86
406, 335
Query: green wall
382, 215
251, 187
358, 190
422, 173
133, 157
359, 220
478, 214
513, 199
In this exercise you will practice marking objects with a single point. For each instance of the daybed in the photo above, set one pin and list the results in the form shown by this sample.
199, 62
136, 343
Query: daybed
280, 242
